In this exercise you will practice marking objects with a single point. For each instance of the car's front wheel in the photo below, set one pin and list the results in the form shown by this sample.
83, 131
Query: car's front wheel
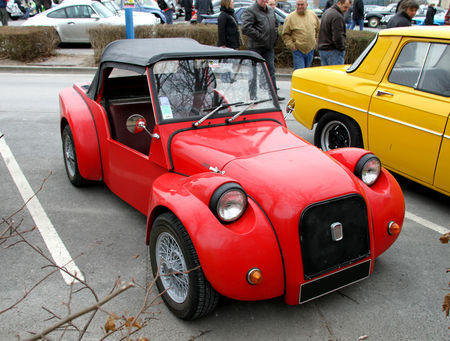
70, 158
373, 22
176, 267
337, 131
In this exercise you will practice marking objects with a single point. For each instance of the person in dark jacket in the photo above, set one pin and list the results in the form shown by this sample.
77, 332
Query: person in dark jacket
203, 7
429, 17
332, 34
228, 30
358, 14
167, 7
408, 10
260, 26
187, 10
3, 13
328, 4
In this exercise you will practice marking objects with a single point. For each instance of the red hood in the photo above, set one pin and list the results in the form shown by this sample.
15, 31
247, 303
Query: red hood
270, 162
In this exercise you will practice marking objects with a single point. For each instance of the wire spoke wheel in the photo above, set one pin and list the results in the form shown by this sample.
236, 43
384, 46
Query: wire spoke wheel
172, 267
175, 265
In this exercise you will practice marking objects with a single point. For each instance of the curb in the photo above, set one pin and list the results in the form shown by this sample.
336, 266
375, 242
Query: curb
47, 69
78, 69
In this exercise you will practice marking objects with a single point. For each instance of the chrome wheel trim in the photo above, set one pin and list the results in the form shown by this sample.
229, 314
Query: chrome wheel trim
172, 267
335, 135
69, 155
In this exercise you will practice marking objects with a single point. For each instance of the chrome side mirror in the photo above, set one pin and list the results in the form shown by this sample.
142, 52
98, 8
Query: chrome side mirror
137, 123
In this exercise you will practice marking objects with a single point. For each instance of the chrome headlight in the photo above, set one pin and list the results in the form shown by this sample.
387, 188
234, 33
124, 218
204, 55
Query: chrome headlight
228, 202
368, 169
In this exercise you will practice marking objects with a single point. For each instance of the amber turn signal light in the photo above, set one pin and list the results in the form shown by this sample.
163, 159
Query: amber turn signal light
394, 228
254, 276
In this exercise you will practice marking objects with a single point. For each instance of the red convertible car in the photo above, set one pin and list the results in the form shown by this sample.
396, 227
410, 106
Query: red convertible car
237, 205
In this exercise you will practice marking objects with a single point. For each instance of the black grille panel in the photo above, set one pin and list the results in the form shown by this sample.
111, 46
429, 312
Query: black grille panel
320, 253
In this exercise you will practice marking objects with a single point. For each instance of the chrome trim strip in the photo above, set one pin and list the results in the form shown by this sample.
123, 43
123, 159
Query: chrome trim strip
406, 124
336, 289
329, 100
446, 137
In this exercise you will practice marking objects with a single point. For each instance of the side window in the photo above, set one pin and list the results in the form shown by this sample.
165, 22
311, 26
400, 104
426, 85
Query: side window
409, 64
61, 13
436, 71
423, 66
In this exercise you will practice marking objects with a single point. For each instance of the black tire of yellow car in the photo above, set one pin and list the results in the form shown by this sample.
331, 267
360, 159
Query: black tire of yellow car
70, 159
201, 297
335, 130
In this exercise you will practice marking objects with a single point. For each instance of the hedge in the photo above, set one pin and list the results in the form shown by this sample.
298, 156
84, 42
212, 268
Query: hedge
28, 43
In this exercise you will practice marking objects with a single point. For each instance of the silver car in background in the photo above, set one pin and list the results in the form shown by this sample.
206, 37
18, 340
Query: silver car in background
73, 18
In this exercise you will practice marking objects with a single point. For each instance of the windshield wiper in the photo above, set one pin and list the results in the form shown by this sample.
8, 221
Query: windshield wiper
222, 106
249, 105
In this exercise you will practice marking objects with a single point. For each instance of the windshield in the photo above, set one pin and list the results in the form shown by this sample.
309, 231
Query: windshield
191, 88
362, 56
102, 11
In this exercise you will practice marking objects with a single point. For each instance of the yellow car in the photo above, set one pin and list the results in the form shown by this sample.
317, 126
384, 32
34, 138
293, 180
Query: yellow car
393, 100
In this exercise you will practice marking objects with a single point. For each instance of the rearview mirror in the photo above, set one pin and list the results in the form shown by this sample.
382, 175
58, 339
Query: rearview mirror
136, 123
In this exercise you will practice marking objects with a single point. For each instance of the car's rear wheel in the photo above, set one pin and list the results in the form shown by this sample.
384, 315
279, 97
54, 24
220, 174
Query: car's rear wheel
70, 158
175, 264
337, 131
373, 22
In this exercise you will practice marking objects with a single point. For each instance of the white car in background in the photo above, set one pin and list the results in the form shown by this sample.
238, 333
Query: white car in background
73, 18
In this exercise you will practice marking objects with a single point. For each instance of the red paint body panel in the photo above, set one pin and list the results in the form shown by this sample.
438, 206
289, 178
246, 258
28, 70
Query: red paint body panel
75, 110
226, 252
281, 173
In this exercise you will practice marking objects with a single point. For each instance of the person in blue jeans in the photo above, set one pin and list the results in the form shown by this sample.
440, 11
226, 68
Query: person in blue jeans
358, 15
167, 7
3, 13
332, 34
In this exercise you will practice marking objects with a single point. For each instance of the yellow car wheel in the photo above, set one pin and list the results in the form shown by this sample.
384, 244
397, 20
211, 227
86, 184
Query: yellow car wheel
337, 131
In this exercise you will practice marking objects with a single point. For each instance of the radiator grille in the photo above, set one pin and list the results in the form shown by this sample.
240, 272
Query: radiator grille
320, 252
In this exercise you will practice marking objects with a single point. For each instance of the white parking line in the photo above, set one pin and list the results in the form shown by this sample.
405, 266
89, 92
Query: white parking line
51, 238
426, 223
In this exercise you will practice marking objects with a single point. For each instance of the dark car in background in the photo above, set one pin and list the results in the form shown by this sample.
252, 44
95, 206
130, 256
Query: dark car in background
213, 19
373, 18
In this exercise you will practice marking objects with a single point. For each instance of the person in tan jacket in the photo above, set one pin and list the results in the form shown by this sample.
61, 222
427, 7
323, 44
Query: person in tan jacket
300, 32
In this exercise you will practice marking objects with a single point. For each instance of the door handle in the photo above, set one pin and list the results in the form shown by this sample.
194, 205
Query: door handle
381, 93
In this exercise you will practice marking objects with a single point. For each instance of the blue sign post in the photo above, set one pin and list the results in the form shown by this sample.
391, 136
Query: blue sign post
129, 27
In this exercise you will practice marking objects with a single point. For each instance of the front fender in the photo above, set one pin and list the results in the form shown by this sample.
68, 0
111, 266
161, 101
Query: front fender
75, 112
226, 252
384, 198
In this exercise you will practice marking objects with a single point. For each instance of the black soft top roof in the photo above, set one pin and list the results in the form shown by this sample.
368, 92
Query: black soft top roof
137, 54
144, 52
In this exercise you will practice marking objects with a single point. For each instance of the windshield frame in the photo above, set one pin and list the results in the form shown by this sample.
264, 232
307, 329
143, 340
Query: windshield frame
271, 94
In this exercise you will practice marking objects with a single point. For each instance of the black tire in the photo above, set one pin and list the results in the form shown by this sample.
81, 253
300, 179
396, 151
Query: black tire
373, 22
70, 159
196, 297
337, 131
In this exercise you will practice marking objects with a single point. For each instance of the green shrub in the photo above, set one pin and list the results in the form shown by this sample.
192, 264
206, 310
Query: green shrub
207, 34
27, 43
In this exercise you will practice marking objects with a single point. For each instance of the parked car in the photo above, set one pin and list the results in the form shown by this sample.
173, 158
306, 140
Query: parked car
237, 205
15, 9
72, 19
394, 100
216, 9
139, 17
213, 19
147, 6
419, 18
374, 17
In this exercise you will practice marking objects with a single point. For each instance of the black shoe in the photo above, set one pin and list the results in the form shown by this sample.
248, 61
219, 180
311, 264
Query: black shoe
280, 98
277, 88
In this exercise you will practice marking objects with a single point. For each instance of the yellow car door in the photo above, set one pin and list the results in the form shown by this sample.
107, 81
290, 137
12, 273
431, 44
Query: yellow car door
442, 177
410, 108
